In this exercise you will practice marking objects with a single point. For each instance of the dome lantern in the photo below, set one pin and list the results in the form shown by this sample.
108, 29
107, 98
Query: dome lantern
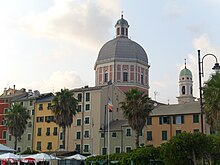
122, 27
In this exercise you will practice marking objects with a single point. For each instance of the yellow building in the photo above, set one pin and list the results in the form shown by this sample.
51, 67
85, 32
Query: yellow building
166, 121
46, 131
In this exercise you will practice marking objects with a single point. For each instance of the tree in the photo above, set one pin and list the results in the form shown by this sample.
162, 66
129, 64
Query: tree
187, 148
16, 121
211, 94
64, 107
136, 109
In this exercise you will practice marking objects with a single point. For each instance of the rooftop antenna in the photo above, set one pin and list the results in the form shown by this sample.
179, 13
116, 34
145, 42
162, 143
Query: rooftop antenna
155, 95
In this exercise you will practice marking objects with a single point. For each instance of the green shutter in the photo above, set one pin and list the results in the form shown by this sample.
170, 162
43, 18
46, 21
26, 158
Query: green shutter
182, 119
160, 121
174, 119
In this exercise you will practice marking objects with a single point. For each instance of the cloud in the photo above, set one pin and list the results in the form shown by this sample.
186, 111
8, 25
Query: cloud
58, 80
84, 23
173, 10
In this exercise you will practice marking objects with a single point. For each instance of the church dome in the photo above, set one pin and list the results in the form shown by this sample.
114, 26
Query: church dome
185, 72
122, 49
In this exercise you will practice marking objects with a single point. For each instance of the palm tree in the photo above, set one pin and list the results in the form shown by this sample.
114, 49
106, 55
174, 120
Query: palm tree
136, 109
211, 94
64, 108
16, 121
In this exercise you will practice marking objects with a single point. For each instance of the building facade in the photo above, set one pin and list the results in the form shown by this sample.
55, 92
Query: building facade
26, 141
47, 135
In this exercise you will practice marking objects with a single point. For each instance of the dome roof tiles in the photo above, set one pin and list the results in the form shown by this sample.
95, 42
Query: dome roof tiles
122, 48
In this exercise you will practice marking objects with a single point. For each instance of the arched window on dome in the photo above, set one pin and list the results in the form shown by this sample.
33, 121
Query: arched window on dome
125, 76
183, 90
106, 77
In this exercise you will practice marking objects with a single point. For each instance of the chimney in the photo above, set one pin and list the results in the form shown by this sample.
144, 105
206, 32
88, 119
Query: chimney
14, 89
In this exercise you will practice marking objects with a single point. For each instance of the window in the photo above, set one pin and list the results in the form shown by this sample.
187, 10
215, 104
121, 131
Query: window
196, 130
142, 79
183, 90
191, 90
149, 120
125, 76
79, 97
104, 151
28, 136
122, 31
49, 145
38, 145
40, 107
149, 135
178, 132
3, 121
6, 111
31, 103
40, 119
128, 149
164, 119
9, 137
86, 120
118, 29
141, 133
55, 131
86, 148
178, 119
48, 131
49, 118
79, 108
19, 149
114, 134
195, 118
86, 134
87, 107
164, 135
87, 96
77, 147
39, 132
49, 106
106, 77
61, 135
32, 111
6, 101
78, 135
128, 132
78, 122
102, 134
117, 149
3, 134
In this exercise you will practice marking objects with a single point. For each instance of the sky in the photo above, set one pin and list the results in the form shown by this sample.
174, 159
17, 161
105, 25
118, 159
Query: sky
47, 45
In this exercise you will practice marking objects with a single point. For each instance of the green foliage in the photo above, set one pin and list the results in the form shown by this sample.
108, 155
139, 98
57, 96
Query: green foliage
139, 156
64, 107
16, 121
211, 94
28, 152
189, 148
136, 109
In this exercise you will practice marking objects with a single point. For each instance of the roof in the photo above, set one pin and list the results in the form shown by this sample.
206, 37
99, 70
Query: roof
122, 49
185, 72
175, 109
45, 97
122, 22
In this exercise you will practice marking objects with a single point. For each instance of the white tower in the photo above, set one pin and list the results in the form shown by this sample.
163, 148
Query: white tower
185, 86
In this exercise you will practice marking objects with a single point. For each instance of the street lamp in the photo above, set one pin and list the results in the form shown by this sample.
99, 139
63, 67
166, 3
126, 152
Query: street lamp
216, 67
